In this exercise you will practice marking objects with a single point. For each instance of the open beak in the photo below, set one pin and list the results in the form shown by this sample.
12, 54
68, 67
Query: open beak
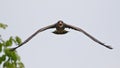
60, 24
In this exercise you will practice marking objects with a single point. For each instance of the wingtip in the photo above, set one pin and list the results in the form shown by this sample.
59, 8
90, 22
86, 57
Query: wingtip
12, 49
109, 47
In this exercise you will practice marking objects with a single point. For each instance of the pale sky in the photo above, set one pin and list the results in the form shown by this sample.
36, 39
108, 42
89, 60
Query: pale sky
100, 18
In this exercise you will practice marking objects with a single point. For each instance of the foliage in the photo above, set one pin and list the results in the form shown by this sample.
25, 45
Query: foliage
3, 25
8, 58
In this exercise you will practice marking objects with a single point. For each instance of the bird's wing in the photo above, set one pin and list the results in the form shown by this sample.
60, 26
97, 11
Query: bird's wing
84, 32
34, 34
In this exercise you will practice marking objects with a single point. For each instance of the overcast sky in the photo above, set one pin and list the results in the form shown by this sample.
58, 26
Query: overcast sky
100, 18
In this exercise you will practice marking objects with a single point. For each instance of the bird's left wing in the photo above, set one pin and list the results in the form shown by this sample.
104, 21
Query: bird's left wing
34, 34
84, 32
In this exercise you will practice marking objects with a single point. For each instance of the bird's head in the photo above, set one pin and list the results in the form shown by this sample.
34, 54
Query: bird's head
60, 23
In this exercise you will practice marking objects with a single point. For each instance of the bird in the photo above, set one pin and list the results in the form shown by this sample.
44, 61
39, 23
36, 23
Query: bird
60, 30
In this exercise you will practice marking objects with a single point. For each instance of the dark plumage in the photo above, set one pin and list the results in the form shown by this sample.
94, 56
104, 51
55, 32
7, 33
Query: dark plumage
60, 29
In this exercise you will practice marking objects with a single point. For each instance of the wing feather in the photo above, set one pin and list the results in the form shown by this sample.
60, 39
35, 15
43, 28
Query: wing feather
34, 34
87, 34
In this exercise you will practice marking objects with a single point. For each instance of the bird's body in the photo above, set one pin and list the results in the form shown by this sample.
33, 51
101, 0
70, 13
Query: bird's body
60, 32
60, 29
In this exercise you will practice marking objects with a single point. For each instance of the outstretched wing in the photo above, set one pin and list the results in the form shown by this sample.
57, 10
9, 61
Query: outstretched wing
34, 34
84, 32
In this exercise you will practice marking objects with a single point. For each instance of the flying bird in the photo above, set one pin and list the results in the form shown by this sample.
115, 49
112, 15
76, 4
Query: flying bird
60, 29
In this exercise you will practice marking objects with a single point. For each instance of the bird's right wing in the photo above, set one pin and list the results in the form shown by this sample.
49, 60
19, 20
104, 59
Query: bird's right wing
87, 34
34, 34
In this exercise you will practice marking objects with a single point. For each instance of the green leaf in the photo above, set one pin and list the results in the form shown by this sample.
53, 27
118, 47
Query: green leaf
14, 56
11, 39
0, 61
3, 58
14, 41
21, 65
7, 52
8, 58
3, 25
13, 65
17, 56
1, 47
18, 40
6, 64
9, 43
11, 54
